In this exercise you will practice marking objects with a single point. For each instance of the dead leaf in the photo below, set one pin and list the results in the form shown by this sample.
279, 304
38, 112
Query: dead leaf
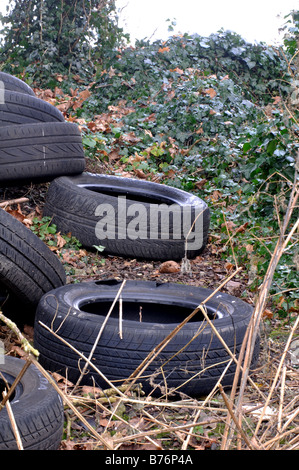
59, 379
229, 224
170, 95
199, 130
267, 314
60, 240
83, 95
113, 155
104, 422
64, 107
211, 92
17, 214
29, 331
151, 117
27, 222
242, 228
20, 351
249, 248
111, 72
164, 49
229, 266
233, 287
91, 391
200, 184
130, 138
139, 173
135, 158
216, 195
74, 445
171, 173
179, 71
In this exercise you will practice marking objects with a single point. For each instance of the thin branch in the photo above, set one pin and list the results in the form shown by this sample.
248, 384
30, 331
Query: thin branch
101, 331
19, 200
71, 406
13, 424
157, 349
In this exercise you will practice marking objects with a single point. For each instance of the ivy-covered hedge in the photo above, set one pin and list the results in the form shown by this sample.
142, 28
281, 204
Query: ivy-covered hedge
212, 115
42, 38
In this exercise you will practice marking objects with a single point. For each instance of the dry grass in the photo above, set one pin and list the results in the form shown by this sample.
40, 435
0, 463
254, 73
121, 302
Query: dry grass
261, 411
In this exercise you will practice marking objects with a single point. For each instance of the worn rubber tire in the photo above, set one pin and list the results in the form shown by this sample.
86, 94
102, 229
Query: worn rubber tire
40, 152
20, 108
12, 83
36, 407
82, 311
73, 202
28, 268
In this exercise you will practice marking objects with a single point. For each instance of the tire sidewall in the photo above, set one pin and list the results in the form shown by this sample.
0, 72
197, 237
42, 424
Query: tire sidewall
75, 206
81, 183
231, 327
33, 387
34, 397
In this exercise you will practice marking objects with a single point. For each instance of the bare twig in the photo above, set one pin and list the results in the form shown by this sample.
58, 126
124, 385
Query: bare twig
15, 383
253, 328
101, 331
157, 349
234, 418
13, 423
82, 357
19, 200
24, 342
71, 406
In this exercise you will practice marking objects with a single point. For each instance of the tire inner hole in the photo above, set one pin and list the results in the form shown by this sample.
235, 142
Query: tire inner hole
148, 312
3, 388
131, 195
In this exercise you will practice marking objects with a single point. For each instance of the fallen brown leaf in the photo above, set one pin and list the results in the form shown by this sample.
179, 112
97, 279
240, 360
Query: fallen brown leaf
211, 92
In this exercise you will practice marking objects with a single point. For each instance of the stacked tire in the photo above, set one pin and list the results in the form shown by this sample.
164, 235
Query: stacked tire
129, 217
191, 361
35, 405
36, 143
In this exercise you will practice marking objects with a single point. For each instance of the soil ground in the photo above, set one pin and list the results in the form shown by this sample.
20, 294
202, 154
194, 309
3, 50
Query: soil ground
207, 270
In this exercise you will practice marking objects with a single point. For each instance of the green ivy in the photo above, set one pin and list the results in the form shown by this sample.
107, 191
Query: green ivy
223, 106
44, 37
211, 115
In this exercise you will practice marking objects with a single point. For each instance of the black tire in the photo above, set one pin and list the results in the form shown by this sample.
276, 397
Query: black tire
150, 312
12, 83
36, 407
28, 268
40, 152
20, 108
73, 203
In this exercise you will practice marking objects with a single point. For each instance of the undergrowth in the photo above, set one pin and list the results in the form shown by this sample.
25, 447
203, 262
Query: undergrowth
217, 117
213, 116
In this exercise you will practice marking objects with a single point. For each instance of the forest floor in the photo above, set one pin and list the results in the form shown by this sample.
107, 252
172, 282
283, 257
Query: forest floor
144, 423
